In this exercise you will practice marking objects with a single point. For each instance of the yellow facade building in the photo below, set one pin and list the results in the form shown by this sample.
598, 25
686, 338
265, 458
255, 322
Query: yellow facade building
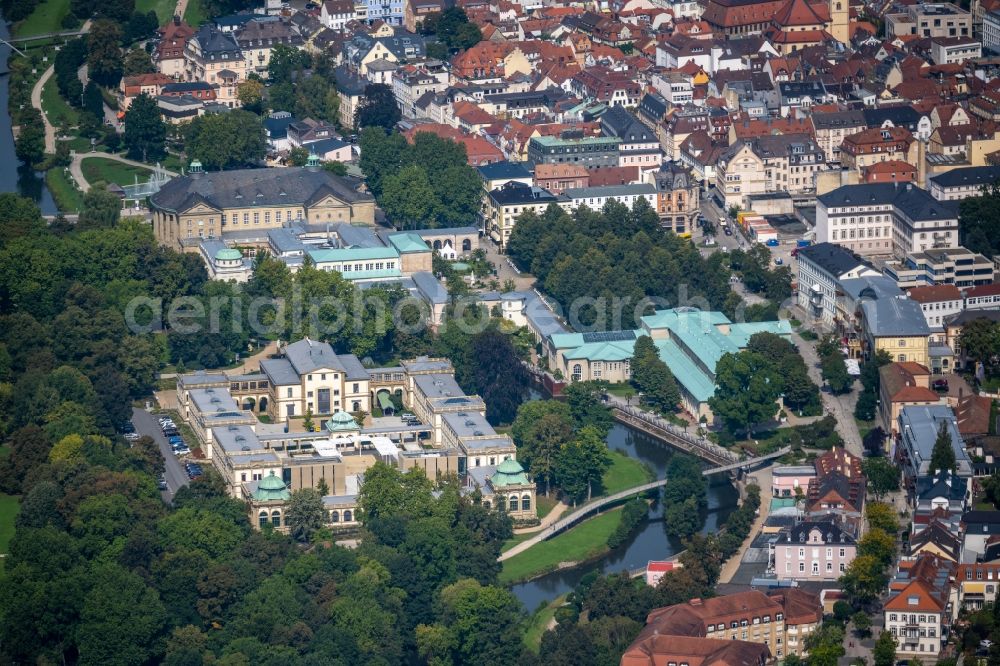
208, 205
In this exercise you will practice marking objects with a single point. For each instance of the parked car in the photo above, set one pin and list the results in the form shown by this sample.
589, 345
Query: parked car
127, 427
778, 261
772, 242
729, 232
132, 436
162, 483
940, 385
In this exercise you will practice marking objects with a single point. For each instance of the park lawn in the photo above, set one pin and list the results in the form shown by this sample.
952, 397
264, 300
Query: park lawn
9, 505
110, 171
622, 390
56, 109
625, 472
516, 539
584, 542
539, 623
173, 163
46, 18
80, 144
864, 427
67, 197
194, 14
544, 505
164, 8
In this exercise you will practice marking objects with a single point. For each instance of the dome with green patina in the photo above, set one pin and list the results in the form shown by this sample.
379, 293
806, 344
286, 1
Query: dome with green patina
342, 422
270, 489
509, 473
228, 254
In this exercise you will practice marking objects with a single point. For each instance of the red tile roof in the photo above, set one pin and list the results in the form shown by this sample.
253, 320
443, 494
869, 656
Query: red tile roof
798, 13
935, 293
983, 290
918, 597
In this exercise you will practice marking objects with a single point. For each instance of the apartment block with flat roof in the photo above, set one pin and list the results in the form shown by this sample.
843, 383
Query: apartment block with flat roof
589, 152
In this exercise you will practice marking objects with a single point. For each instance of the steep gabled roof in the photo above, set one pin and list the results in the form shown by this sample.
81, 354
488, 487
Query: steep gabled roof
796, 13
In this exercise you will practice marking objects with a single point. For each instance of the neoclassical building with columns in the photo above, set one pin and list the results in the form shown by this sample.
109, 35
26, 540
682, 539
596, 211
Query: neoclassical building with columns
203, 205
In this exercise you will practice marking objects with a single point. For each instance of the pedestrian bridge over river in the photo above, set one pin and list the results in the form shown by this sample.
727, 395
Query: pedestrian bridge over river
595, 506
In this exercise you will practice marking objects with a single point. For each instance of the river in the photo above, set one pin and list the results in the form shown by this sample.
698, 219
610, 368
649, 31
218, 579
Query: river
649, 542
15, 176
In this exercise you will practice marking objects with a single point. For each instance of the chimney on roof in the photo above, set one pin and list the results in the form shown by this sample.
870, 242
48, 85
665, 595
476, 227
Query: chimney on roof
696, 601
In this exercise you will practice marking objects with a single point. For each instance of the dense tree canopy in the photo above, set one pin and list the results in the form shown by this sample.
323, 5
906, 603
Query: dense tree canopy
231, 140
652, 376
104, 54
980, 341
747, 388
685, 498
30, 144
599, 266
145, 131
979, 222
426, 184
63, 299
453, 30
68, 60
378, 108
758, 275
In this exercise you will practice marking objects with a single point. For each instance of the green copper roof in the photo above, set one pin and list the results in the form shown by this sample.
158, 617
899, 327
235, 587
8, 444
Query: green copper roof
340, 422
271, 488
509, 473
408, 242
228, 254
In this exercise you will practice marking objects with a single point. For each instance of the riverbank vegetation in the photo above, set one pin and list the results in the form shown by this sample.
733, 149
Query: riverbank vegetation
685, 497
585, 542
604, 613
539, 623
633, 513
562, 444
68, 199
37, 17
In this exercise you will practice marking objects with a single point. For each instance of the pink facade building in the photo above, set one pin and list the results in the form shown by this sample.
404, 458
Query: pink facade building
784, 480
812, 550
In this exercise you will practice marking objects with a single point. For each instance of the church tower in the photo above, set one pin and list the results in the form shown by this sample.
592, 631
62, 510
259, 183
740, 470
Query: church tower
840, 16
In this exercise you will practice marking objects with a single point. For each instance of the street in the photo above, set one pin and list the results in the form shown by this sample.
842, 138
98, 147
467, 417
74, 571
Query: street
146, 424
841, 406
711, 211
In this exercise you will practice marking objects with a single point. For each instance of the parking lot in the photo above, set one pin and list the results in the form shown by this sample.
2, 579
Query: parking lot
175, 474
